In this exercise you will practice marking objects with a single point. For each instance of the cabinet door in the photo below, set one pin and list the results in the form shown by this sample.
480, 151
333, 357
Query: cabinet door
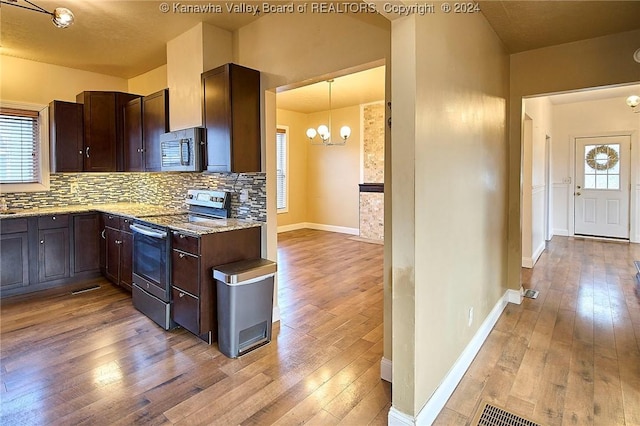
66, 136
14, 260
217, 119
186, 309
155, 123
245, 119
133, 147
184, 271
86, 243
112, 255
126, 259
99, 131
53, 254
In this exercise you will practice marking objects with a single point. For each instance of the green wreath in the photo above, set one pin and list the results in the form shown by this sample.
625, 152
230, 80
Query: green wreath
602, 157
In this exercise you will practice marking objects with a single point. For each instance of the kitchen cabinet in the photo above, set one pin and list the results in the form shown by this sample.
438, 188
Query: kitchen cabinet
53, 248
231, 115
118, 250
66, 136
86, 243
145, 119
14, 254
193, 287
103, 120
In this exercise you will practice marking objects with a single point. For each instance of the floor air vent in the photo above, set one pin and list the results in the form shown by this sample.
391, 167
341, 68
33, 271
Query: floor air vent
489, 415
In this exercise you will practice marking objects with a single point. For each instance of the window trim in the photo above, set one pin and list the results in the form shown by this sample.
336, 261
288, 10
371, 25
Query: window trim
43, 124
285, 130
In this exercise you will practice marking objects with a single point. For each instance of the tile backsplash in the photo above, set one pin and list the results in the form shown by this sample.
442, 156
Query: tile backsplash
166, 189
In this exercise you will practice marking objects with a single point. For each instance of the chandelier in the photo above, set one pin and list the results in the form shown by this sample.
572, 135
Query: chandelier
324, 131
61, 16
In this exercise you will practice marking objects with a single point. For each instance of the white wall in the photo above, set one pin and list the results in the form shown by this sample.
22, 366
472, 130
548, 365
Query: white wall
534, 191
591, 118
149, 82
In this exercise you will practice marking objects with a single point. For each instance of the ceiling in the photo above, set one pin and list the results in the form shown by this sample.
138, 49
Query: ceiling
620, 92
353, 89
126, 38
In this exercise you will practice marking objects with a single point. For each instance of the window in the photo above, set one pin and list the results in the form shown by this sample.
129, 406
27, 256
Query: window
602, 166
23, 148
281, 172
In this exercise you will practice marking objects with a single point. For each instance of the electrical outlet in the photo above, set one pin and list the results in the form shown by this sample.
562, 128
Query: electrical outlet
244, 195
470, 316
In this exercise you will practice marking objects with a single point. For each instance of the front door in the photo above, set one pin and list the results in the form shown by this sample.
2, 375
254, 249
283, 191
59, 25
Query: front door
602, 186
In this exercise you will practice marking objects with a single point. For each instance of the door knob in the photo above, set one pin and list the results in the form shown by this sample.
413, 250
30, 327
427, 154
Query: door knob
578, 194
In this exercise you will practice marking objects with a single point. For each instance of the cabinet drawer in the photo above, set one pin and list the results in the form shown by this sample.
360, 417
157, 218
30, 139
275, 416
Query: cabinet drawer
185, 242
11, 226
111, 220
185, 310
53, 221
185, 269
124, 223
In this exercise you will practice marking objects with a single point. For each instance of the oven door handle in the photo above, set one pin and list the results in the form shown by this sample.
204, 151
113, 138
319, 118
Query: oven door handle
149, 232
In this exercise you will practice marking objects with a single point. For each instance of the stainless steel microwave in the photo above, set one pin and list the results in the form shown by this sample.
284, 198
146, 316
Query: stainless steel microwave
182, 150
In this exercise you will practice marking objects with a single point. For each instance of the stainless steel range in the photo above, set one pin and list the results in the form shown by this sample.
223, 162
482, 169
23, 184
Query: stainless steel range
151, 291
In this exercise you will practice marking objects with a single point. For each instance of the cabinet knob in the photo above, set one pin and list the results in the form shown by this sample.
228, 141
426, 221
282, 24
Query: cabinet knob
182, 236
181, 255
80, 152
41, 241
53, 218
181, 294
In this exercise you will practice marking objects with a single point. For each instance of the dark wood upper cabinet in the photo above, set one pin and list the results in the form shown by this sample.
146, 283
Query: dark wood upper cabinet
66, 136
103, 118
155, 122
231, 115
145, 119
133, 145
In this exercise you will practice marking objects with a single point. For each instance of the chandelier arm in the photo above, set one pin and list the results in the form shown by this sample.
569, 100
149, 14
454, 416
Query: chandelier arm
42, 9
35, 9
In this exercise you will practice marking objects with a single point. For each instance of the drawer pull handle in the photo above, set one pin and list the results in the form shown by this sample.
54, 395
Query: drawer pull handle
182, 236
181, 294
102, 233
181, 255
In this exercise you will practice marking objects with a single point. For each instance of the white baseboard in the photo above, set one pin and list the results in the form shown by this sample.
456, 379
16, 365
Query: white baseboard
538, 253
319, 227
292, 227
398, 418
514, 296
527, 262
386, 369
561, 232
436, 403
276, 314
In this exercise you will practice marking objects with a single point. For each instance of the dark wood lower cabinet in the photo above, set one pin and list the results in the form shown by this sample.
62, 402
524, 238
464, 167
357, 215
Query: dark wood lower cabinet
53, 254
126, 259
112, 255
186, 310
118, 250
14, 254
86, 243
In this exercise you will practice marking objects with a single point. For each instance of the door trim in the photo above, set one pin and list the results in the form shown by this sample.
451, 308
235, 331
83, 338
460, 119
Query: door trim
634, 179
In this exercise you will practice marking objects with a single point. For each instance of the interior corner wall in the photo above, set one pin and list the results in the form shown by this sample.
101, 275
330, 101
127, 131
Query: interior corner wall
39, 83
449, 217
297, 145
149, 82
583, 64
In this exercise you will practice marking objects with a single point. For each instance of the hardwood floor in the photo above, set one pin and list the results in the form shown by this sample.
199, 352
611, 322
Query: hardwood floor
571, 356
93, 359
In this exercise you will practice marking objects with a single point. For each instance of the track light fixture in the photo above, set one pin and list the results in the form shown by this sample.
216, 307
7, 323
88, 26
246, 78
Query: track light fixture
61, 16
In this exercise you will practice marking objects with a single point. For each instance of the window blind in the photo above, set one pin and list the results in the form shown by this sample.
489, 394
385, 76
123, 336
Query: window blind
19, 146
281, 164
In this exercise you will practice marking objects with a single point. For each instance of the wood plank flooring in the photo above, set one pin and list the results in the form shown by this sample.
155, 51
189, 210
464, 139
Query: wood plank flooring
571, 356
93, 359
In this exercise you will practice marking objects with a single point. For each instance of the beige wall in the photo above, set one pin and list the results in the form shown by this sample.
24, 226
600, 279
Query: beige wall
39, 83
589, 63
149, 82
298, 146
334, 172
449, 101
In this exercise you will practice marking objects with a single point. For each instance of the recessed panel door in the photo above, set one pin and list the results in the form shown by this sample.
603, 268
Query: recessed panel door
601, 195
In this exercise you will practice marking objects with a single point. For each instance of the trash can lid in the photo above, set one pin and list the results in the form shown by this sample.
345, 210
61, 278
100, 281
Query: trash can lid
244, 270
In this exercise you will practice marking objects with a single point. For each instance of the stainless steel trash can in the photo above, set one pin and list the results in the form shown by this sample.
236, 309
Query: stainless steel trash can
245, 305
